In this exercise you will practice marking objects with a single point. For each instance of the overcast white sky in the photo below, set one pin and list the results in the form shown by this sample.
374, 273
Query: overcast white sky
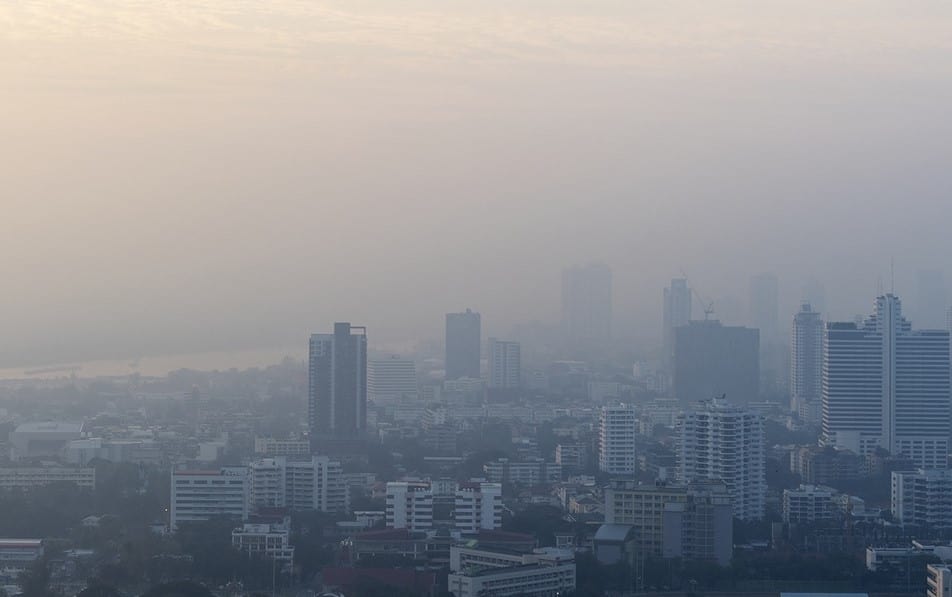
185, 176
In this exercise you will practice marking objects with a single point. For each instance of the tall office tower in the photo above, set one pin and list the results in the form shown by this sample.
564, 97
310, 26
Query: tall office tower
711, 359
931, 299
718, 440
587, 303
505, 364
391, 379
806, 363
886, 385
337, 384
463, 337
677, 312
763, 306
617, 427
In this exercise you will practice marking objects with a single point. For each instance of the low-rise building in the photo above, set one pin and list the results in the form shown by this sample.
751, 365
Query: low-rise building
530, 472
25, 478
291, 448
475, 572
42, 439
268, 540
809, 504
203, 494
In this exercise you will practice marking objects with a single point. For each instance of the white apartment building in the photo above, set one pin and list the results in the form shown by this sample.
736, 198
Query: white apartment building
391, 379
617, 428
202, 494
313, 484
887, 386
409, 505
939, 581
38, 476
809, 504
923, 498
505, 364
719, 441
478, 507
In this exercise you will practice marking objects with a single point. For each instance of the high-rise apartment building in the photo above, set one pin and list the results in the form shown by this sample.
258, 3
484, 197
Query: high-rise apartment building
806, 363
720, 441
677, 312
316, 483
463, 341
887, 386
505, 364
675, 521
711, 359
700, 528
337, 384
617, 428
587, 303
391, 379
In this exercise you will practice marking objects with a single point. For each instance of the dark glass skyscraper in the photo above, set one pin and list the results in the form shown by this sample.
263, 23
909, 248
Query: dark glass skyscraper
711, 359
337, 384
462, 344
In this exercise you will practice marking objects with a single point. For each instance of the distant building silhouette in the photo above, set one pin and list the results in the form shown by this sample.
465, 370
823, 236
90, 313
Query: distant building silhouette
587, 303
463, 341
677, 312
711, 359
505, 364
806, 363
337, 384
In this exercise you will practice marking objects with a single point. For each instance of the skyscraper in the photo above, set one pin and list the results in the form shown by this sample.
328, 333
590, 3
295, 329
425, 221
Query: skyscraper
337, 384
711, 359
886, 385
677, 312
505, 364
587, 303
463, 340
719, 441
806, 363
764, 309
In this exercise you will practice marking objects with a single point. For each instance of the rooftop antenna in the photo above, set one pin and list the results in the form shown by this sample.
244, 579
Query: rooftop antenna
892, 276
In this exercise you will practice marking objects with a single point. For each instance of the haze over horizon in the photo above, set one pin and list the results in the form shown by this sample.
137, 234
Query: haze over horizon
199, 176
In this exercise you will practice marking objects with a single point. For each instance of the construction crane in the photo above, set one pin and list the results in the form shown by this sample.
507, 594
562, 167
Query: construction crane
706, 305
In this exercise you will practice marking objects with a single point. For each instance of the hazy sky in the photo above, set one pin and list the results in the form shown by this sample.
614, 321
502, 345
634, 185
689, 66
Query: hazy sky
186, 175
